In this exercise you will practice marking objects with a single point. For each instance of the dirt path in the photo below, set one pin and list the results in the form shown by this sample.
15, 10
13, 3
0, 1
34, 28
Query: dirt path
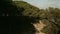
39, 26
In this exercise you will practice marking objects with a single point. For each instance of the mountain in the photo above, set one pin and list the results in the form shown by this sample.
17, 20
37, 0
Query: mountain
17, 8
24, 11
28, 8
51, 15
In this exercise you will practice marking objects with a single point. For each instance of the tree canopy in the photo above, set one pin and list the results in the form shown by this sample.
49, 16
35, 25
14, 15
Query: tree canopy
21, 8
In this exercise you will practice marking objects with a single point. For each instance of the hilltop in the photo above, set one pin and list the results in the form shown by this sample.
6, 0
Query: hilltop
28, 8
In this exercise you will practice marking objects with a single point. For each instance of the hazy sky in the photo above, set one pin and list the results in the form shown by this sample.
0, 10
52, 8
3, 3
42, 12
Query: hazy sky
44, 3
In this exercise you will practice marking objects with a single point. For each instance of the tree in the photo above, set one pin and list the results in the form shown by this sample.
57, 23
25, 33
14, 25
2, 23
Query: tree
9, 9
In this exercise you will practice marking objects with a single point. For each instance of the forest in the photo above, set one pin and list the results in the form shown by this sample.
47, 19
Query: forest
28, 13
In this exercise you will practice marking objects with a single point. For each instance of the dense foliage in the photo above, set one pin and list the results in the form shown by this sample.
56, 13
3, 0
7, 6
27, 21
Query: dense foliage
20, 8
51, 14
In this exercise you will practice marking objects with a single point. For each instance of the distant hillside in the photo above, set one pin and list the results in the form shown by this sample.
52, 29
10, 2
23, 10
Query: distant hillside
28, 8
25, 5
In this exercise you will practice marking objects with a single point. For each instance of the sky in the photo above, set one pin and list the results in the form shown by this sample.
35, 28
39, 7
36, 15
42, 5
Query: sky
44, 3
